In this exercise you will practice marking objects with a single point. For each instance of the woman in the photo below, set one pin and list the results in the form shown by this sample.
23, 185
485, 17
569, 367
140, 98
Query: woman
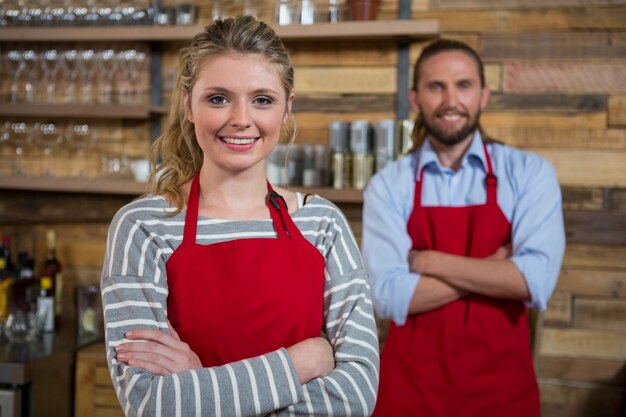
226, 281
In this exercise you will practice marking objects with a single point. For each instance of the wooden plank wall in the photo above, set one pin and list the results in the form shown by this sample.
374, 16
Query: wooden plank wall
557, 70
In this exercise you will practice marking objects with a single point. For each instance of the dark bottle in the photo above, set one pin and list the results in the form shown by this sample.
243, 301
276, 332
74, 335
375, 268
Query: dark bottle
51, 268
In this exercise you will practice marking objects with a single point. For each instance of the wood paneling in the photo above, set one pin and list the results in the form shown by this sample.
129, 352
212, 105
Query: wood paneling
559, 312
346, 80
597, 371
582, 198
554, 46
529, 20
595, 227
342, 52
563, 400
595, 256
591, 282
345, 103
553, 103
617, 110
587, 168
599, 77
600, 314
512, 4
563, 138
583, 343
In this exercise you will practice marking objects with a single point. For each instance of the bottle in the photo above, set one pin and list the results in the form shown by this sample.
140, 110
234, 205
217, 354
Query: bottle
6, 277
52, 269
45, 305
21, 324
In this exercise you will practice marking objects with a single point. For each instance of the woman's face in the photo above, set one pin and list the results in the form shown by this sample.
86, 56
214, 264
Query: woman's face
238, 106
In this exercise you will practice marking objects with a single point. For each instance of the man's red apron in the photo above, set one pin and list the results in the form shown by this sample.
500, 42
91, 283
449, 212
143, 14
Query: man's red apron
246, 297
471, 357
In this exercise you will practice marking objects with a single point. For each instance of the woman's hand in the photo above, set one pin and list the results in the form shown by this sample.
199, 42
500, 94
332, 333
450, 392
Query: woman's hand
157, 352
312, 358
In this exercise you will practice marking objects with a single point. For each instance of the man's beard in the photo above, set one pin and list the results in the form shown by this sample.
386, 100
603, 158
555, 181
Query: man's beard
451, 138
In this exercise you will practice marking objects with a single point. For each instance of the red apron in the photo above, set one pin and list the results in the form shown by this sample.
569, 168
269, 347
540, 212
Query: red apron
471, 357
243, 298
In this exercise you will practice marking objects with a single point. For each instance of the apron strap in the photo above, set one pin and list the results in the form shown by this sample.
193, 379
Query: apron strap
491, 181
191, 217
283, 224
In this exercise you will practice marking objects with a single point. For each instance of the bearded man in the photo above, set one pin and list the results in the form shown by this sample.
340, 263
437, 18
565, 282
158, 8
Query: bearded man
460, 237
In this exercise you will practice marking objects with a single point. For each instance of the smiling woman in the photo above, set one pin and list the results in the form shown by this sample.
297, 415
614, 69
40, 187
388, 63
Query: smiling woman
247, 299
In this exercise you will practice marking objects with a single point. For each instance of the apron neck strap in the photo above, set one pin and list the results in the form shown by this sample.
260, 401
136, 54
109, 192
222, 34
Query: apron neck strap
491, 181
283, 224
191, 218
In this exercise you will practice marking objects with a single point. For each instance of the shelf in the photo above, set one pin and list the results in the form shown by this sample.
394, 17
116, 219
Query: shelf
129, 187
74, 185
378, 29
97, 111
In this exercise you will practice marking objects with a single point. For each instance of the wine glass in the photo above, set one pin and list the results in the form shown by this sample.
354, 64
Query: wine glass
87, 72
106, 68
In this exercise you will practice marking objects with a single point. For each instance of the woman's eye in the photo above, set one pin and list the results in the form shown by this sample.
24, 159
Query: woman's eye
217, 100
263, 100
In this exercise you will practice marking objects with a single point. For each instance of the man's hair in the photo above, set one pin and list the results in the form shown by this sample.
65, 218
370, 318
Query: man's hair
434, 48
447, 45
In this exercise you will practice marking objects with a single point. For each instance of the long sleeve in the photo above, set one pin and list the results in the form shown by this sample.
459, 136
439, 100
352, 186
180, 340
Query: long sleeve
351, 389
386, 243
538, 232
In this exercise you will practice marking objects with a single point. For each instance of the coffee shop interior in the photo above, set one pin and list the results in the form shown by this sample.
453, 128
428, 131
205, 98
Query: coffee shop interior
85, 86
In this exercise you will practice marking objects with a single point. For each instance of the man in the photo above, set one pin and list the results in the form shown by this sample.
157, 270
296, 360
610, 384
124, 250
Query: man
459, 237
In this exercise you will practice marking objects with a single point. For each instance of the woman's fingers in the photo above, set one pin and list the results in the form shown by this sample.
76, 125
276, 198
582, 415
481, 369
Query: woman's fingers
157, 352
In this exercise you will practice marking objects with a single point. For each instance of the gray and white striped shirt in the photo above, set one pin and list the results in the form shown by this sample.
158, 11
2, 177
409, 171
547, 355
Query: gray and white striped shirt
134, 291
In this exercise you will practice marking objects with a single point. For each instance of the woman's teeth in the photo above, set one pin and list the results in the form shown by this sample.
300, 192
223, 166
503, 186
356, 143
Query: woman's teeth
237, 141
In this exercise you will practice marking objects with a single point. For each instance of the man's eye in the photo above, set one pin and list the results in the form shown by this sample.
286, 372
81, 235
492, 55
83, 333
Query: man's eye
435, 87
217, 99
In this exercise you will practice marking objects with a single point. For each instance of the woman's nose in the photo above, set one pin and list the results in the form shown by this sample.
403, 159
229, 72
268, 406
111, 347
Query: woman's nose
240, 115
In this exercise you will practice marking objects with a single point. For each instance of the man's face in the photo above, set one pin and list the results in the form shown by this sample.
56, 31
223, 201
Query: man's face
449, 97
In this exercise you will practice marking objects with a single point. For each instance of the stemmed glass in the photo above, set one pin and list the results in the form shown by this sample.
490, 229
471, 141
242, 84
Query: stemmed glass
106, 67
32, 75
137, 66
124, 86
49, 60
69, 70
87, 72
20, 136
82, 139
15, 63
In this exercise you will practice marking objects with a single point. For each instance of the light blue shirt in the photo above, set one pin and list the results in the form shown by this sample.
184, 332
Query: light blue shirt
528, 194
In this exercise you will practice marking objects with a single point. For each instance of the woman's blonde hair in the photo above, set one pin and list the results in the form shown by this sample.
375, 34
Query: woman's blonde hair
175, 156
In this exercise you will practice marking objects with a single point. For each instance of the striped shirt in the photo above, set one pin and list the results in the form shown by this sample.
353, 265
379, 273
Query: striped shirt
134, 292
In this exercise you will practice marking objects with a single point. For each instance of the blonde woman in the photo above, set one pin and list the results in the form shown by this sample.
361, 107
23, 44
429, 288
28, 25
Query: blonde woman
218, 287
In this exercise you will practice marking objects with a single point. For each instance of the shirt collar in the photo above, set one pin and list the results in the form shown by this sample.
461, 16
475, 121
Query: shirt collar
428, 156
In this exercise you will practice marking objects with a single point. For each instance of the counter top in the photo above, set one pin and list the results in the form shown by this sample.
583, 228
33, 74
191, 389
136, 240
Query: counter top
18, 360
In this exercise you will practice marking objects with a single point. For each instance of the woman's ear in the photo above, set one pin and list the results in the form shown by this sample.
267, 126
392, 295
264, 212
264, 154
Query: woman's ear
288, 109
187, 107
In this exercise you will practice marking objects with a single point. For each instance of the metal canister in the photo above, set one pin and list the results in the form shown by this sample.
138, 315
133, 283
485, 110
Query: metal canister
338, 135
385, 142
362, 157
404, 130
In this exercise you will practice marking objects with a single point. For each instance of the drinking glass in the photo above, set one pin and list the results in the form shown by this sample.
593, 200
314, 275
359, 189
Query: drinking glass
68, 65
106, 68
81, 139
49, 62
32, 75
87, 74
